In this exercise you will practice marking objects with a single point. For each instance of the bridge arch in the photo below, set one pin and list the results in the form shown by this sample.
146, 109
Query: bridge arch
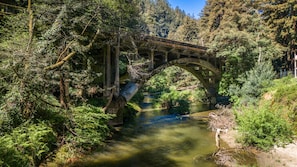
197, 67
159, 54
205, 72
185, 61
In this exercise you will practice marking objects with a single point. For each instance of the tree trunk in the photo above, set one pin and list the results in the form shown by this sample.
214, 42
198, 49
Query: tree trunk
63, 92
30, 26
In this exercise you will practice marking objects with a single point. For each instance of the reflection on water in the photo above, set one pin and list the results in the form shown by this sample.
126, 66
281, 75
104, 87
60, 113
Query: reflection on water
160, 141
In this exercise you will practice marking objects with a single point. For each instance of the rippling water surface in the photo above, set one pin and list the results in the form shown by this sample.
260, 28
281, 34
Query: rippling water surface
158, 140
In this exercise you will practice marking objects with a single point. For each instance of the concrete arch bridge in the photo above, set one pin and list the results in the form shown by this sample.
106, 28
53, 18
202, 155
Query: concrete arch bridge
159, 54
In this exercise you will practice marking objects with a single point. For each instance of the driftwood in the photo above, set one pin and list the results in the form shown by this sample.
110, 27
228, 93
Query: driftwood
217, 136
221, 121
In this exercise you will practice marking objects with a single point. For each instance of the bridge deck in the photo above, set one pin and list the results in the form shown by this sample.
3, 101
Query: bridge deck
174, 43
163, 45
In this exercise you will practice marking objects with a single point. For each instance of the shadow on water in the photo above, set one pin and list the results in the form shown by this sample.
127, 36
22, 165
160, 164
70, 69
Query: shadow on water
156, 139
171, 144
144, 158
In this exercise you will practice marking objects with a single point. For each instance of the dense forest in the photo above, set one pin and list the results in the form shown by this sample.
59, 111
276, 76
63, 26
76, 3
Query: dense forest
52, 105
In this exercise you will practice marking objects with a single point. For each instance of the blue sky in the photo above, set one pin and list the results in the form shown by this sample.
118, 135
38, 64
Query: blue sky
192, 7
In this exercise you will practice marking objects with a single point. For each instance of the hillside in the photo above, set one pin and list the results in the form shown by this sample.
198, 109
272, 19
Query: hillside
281, 97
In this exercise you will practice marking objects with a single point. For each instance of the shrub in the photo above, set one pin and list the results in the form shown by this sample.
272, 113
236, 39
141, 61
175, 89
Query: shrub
251, 84
86, 129
283, 97
130, 110
263, 128
175, 101
9, 155
27, 145
88, 126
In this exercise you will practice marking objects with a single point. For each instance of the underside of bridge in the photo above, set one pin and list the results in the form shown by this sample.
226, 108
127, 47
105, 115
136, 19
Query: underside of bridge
159, 54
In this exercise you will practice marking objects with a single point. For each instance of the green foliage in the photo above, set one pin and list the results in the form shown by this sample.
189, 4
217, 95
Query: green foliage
88, 127
238, 34
130, 110
252, 84
176, 102
170, 89
186, 32
24, 87
283, 94
10, 156
284, 90
171, 76
28, 93
263, 127
10, 115
159, 19
280, 17
27, 145
138, 97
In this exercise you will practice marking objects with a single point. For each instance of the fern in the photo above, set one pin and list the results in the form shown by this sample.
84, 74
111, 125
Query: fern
89, 126
27, 145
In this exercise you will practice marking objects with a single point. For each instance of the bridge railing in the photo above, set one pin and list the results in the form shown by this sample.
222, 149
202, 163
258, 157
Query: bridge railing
160, 39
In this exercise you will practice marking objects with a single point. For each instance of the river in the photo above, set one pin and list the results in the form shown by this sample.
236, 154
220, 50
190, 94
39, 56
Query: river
156, 139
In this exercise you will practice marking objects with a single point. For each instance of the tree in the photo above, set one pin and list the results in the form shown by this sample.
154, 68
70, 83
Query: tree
159, 18
251, 84
281, 18
186, 32
37, 54
233, 30
46, 58
82, 24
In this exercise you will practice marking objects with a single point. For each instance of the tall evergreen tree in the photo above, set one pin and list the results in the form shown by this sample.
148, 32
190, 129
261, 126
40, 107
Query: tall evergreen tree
38, 46
233, 30
159, 18
281, 17
186, 32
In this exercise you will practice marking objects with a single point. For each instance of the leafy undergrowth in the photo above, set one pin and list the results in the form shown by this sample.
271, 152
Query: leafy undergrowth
263, 127
282, 97
272, 120
57, 136
27, 145
130, 110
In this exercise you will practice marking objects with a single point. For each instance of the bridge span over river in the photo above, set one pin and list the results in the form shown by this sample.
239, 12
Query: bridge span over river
158, 53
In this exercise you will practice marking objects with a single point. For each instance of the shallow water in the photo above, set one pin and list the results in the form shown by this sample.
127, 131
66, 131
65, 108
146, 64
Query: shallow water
158, 140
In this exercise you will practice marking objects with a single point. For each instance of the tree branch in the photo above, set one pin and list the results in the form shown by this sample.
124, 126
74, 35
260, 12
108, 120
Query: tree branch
70, 55
62, 53
60, 63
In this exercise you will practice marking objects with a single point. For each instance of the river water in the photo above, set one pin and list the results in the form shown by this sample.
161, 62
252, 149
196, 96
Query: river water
156, 139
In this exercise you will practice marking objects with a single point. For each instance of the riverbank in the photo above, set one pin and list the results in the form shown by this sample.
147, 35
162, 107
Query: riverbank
278, 156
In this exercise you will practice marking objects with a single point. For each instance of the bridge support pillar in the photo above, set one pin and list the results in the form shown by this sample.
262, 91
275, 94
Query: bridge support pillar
107, 74
165, 57
212, 97
152, 59
118, 103
117, 72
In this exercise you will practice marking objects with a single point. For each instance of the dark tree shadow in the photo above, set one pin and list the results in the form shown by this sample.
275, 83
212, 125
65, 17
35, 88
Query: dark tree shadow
145, 158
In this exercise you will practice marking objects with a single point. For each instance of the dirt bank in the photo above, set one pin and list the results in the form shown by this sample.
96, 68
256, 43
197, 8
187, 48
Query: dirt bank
279, 156
276, 157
